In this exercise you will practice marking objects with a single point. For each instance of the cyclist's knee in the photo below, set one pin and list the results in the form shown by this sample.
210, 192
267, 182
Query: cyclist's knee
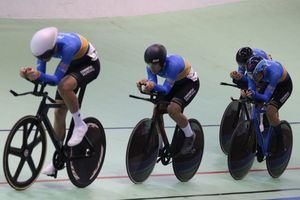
272, 114
173, 109
67, 84
63, 87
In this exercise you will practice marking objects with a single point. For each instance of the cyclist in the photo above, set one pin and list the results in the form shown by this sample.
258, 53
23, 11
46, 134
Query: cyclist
242, 56
179, 88
278, 90
78, 66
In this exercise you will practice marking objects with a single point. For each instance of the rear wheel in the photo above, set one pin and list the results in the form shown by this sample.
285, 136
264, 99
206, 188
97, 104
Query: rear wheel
279, 150
24, 152
186, 166
142, 151
242, 150
86, 158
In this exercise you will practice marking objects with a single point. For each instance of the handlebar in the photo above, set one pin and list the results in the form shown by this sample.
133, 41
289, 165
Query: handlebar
259, 107
228, 84
37, 91
242, 99
245, 100
154, 98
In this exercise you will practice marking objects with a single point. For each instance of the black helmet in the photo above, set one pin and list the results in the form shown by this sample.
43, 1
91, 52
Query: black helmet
243, 55
252, 63
156, 53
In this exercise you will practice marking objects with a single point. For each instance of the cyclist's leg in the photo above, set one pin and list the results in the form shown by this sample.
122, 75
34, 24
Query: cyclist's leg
80, 76
59, 124
280, 96
66, 89
183, 95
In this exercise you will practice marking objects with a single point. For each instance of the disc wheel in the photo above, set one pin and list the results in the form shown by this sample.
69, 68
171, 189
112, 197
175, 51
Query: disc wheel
142, 151
86, 159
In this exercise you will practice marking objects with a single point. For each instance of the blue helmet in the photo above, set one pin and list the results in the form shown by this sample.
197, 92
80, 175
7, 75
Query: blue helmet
260, 67
252, 63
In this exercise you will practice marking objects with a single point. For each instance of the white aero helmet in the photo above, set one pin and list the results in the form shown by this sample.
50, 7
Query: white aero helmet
43, 41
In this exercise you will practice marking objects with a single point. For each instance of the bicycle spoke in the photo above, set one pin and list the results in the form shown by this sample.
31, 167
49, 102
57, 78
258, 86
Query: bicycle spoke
15, 151
31, 164
35, 142
25, 132
18, 171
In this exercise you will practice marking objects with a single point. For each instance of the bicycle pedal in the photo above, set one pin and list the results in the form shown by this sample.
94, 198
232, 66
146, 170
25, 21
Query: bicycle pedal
53, 175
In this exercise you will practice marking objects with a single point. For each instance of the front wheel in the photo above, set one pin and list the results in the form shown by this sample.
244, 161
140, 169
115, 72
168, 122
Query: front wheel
142, 151
233, 114
86, 159
24, 152
279, 150
186, 166
242, 150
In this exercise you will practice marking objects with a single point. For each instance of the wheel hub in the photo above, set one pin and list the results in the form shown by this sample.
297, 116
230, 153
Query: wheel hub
26, 153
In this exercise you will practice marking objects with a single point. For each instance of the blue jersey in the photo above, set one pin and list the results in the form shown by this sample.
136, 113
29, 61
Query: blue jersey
274, 73
175, 69
69, 47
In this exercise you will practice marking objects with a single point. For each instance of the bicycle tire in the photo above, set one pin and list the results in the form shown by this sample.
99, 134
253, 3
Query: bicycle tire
186, 166
28, 127
279, 150
242, 150
82, 172
142, 151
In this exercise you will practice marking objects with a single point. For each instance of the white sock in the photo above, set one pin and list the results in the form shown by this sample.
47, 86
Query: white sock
77, 119
188, 132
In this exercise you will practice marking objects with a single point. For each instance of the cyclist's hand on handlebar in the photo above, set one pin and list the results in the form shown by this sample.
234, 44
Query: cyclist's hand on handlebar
235, 75
23, 71
250, 93
32, 74
247, 93
243, 93
140, 83
149, 86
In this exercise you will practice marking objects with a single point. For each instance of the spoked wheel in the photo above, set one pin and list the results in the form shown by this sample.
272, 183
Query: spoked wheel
231, 117
86, 158
185, 166
142, 151
279, 150
24, 152
242, 150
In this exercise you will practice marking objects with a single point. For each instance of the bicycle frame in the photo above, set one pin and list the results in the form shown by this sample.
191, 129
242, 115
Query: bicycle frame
157, 122
263, 142
42, 115
166, 153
